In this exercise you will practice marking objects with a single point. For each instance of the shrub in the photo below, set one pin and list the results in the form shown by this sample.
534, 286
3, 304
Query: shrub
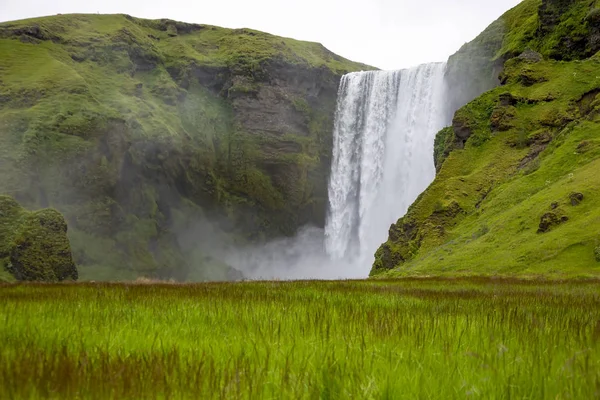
597, 253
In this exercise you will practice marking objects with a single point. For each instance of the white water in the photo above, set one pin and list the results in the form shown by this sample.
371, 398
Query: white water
385, 127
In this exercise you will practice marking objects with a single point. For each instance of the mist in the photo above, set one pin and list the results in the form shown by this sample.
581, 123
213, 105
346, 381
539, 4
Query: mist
297, 258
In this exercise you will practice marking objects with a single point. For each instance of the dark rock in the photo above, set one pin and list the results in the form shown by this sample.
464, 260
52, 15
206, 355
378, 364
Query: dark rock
528, 78
29, 39
537, 144
507, 99
550, 220
502, 118
78, 57
588, 103
539, 139
531, 56
576, 198
406, 236
582, 147
462, 130
554, 205
386, 258
139, 88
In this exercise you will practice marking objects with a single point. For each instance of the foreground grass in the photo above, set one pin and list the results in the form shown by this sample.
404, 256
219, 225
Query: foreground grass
396, 339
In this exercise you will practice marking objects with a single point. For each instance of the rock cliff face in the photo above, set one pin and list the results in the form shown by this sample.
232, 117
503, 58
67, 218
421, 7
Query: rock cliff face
149, 134
516, 191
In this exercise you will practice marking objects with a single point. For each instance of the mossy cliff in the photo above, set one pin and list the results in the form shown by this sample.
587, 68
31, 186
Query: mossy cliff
141, 131
518, 189
33, 245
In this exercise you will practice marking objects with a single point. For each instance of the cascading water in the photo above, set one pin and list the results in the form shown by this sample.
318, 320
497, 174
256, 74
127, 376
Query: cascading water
386, 122
385, 127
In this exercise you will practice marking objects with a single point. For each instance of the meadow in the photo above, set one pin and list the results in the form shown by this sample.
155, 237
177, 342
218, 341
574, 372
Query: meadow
410, 338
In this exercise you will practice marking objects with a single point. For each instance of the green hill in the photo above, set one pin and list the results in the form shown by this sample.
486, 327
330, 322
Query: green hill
518, 188
137, 129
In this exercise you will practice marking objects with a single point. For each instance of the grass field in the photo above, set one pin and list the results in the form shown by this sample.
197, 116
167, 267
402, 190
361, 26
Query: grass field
475, 338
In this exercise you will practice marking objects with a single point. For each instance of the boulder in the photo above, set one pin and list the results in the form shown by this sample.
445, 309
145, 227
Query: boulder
531, 56
550, 220
34, 245
576, 198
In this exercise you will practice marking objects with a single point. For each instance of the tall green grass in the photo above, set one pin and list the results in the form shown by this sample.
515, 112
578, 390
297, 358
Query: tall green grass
475, 338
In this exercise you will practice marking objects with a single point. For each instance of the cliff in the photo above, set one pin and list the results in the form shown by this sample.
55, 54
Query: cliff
517, 190
142, 131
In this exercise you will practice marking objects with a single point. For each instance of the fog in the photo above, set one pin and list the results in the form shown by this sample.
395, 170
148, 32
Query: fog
299, 257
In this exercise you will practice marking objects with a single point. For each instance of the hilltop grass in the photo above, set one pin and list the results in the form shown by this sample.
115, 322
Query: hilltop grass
476, 338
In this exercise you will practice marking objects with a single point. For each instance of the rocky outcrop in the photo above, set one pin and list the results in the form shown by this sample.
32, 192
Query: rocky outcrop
550, 220
34, 245
576, 198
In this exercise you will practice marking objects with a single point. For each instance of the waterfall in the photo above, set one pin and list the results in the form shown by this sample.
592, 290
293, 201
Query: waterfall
385, 126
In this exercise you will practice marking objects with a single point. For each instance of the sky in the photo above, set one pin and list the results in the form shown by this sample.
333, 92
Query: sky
388, 34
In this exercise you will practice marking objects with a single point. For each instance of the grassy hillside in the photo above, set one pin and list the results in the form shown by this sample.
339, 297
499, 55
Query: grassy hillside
142, 131
406, 339
517, 190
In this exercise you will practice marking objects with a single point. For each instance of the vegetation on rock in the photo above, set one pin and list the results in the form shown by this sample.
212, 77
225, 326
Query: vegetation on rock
140, 131
34, 245
518, 160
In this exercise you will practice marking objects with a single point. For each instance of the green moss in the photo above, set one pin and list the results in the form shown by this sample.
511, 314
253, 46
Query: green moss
34, 245
443, 144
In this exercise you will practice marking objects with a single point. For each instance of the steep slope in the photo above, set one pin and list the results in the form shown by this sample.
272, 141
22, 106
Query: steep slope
140, 130
518, 189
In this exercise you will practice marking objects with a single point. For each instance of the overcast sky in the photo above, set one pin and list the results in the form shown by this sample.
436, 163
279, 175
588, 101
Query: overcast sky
389, 34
